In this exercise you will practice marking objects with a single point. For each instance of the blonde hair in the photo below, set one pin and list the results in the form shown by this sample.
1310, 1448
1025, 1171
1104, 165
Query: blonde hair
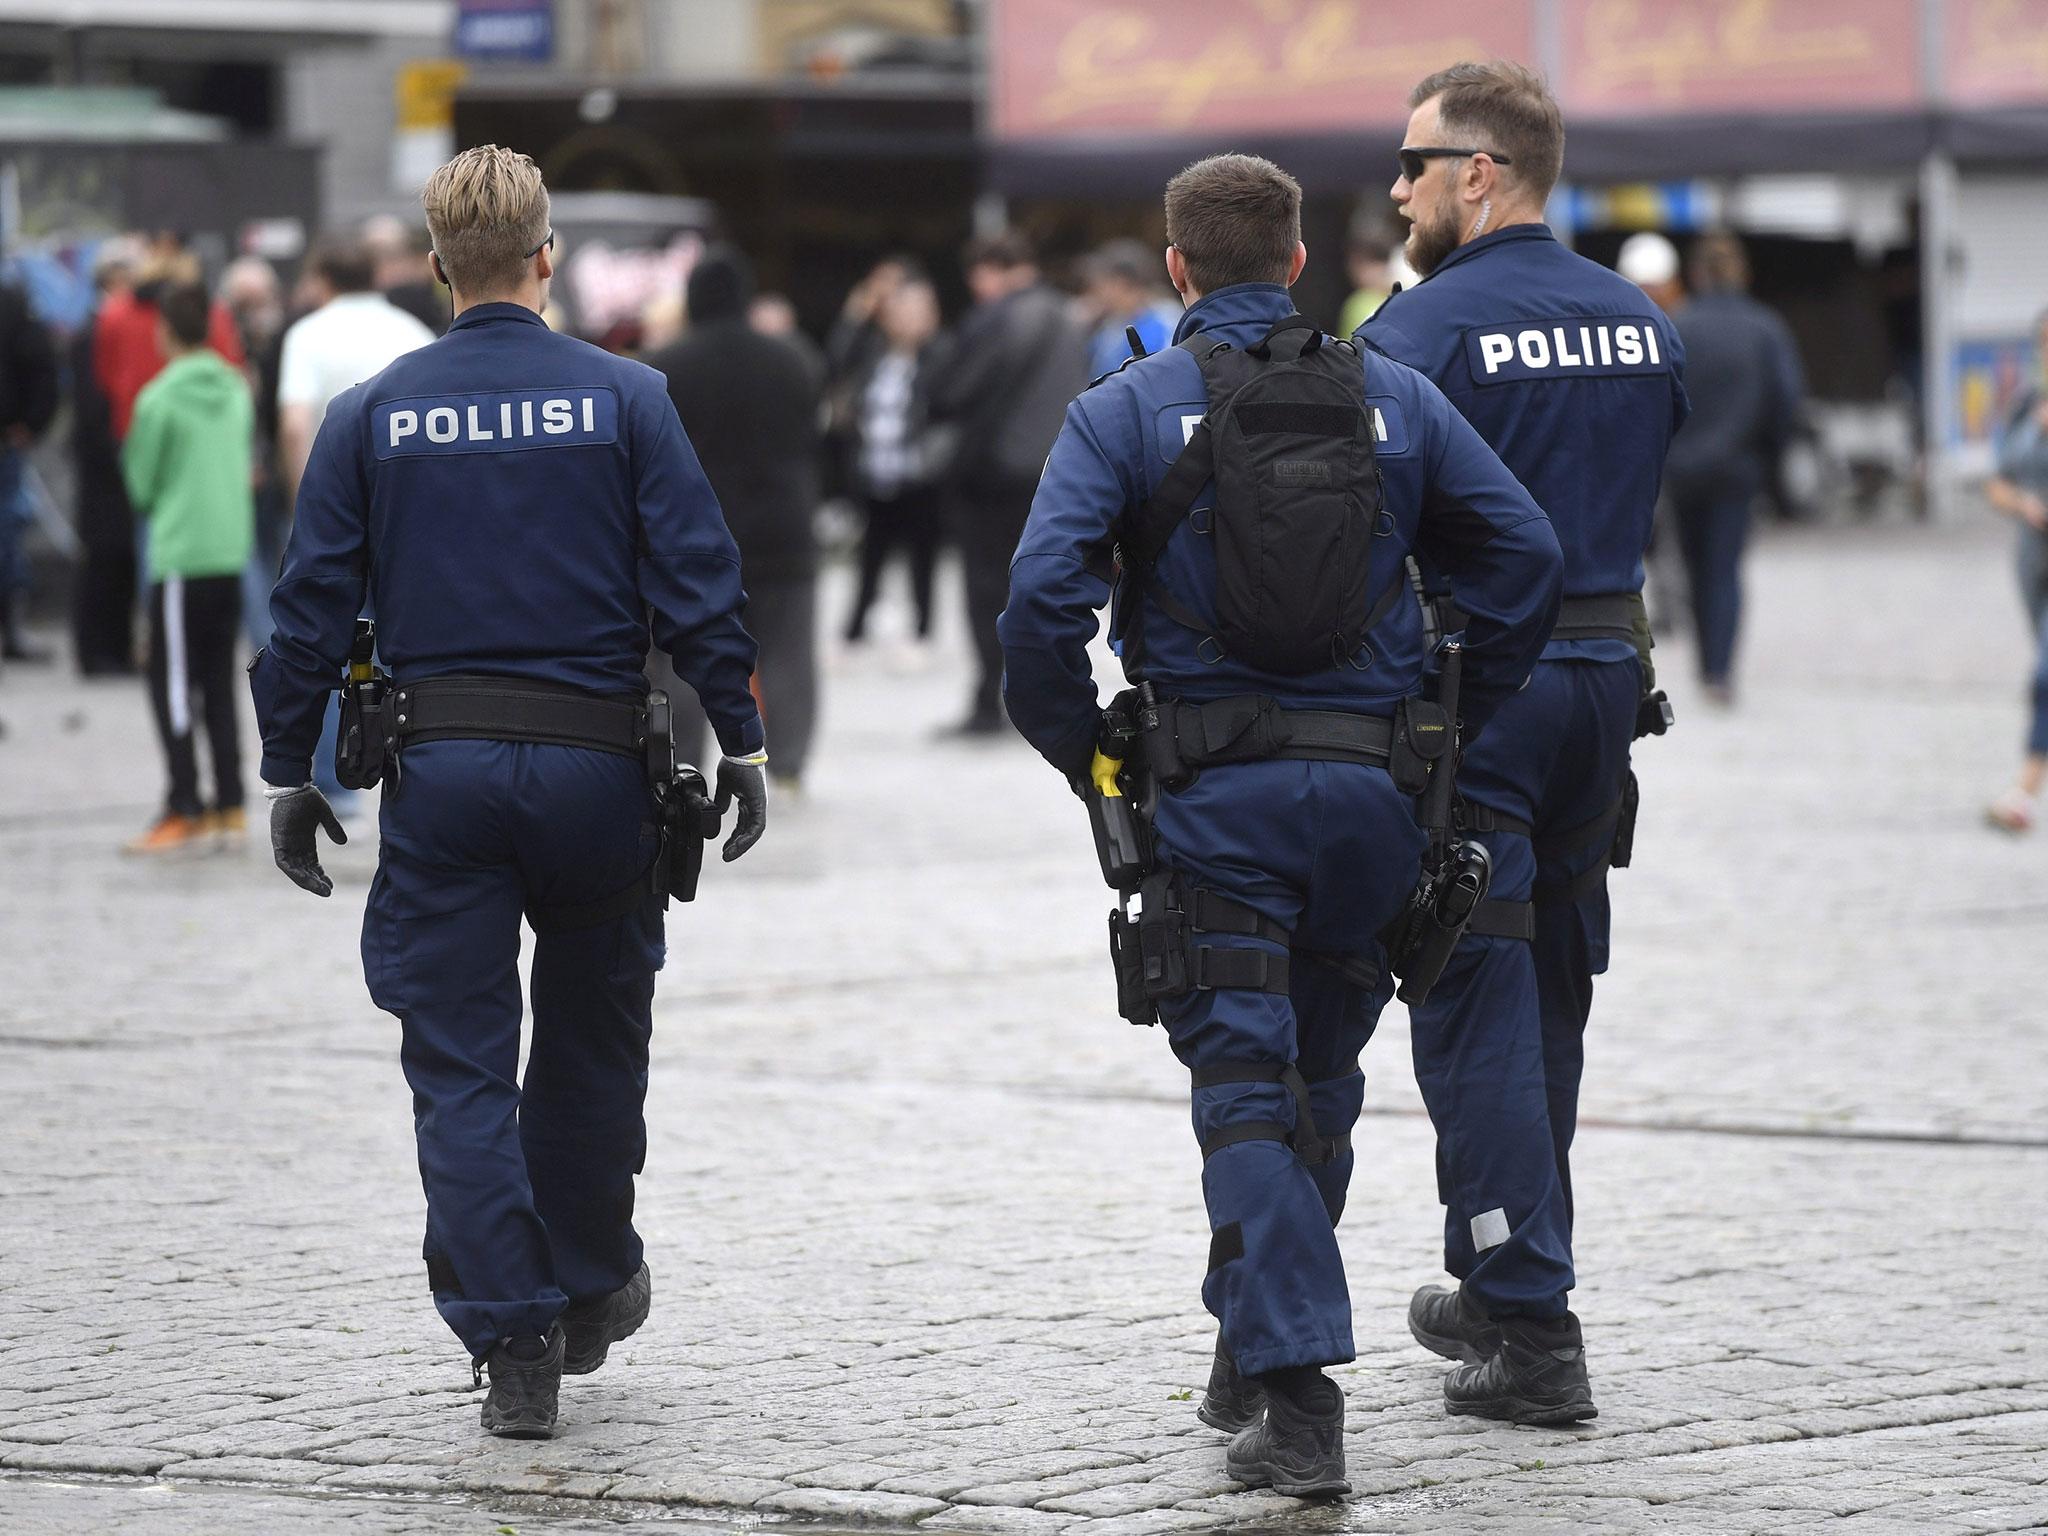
487, 209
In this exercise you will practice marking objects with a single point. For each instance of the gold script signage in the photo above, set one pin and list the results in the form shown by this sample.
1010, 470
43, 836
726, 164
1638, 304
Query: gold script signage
1997, 51
1624, 57
1071, 67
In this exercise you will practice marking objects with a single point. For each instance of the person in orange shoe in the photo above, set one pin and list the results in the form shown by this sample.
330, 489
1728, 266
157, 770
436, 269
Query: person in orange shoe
187, 465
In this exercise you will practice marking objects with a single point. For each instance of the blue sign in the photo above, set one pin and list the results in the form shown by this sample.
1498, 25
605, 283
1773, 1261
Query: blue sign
505, 29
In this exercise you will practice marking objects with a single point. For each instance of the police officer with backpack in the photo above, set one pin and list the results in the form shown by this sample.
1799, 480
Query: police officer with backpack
1259, 485
524, 508
1573, 376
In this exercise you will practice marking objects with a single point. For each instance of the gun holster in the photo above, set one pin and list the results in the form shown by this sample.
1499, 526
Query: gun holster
688, 815
1653, 715
363, 742
1436, 918
689, 819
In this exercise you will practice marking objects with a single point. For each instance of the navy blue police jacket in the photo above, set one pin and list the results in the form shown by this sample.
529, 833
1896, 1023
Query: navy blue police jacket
514, 503
1571, 374
1446, 493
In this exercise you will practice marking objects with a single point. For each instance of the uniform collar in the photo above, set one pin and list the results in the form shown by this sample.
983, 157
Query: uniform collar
491, 314
1513, 234
1239, 304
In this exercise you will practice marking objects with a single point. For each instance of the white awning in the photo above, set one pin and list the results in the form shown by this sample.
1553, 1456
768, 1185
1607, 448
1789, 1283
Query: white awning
315, 19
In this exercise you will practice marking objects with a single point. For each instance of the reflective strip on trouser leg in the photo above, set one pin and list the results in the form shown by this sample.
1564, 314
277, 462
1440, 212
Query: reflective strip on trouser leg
1479, 1062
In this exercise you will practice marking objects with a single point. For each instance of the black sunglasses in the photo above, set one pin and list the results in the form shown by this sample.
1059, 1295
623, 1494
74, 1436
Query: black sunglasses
1415, 161
548, 244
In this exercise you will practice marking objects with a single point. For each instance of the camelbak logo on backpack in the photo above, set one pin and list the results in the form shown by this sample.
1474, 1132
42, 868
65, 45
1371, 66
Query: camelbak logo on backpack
1289, 442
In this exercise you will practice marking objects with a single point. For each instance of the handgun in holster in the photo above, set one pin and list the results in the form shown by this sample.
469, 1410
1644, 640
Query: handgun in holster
361, 743
1456, 874
689, 817
1438, 913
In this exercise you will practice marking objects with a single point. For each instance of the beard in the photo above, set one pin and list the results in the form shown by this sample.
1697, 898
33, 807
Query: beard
1430, 240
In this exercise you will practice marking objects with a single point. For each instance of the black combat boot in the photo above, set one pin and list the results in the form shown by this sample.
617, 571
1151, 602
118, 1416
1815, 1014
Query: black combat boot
526, 1381
1537, 1376
1232, 1402
1298, 1447
1444, 1320
593, 1327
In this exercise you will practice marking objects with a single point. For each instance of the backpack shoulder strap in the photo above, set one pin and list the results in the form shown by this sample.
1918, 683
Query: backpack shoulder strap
1146, 531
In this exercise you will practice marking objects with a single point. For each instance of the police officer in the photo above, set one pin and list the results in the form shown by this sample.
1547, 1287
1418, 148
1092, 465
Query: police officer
517, 503
1573, 376
1286, 846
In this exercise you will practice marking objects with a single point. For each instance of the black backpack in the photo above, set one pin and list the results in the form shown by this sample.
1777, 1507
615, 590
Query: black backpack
1288, 439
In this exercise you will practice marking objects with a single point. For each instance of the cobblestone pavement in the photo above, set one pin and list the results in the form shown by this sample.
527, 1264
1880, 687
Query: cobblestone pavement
924, 1217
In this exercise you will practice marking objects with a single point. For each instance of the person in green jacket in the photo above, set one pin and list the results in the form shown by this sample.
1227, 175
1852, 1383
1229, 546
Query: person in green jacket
187, 461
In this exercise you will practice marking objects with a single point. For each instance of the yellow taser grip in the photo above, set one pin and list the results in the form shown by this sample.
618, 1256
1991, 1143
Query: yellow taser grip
1104, 771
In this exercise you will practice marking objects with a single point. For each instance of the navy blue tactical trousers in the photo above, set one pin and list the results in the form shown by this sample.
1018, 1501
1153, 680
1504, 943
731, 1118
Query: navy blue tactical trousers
529, 1185
1328, 851
1500, 1045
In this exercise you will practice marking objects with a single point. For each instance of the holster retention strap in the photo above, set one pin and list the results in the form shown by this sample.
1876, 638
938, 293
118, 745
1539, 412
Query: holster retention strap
1307, 1142
1158, 953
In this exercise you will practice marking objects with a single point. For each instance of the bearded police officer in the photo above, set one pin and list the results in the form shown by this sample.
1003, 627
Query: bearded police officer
522, 507
1573, 376
1262, 485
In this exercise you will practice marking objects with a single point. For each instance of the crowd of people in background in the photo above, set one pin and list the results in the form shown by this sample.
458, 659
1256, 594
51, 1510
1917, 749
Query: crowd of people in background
931, 436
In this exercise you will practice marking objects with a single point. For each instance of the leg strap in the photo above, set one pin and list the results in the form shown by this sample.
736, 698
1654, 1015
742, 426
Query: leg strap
1211, 966
1496, 919
1307, 1143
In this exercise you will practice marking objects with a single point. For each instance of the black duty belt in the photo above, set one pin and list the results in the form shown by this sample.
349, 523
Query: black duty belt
514, 709
1249, 728
1610, 616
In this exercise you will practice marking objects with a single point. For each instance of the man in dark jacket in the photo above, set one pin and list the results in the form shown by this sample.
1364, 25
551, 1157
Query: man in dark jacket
1744, 378
28, 399
1020, 357
749, 404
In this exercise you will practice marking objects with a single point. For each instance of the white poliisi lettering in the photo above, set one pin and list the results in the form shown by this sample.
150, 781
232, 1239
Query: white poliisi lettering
505, 419
526, 418
556, 417
442, 424
1628, 343
589, 414
1650, 344
1379, 424
1566, 358
403, 425
477, 433
1535, 348
1495, 349
1606, 347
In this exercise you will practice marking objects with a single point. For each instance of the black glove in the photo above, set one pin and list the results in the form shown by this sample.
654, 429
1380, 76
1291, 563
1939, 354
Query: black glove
748, 784
293, 818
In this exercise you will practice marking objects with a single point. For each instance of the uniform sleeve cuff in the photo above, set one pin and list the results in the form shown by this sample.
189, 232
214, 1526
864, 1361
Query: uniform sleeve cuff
746, 741
287, 772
